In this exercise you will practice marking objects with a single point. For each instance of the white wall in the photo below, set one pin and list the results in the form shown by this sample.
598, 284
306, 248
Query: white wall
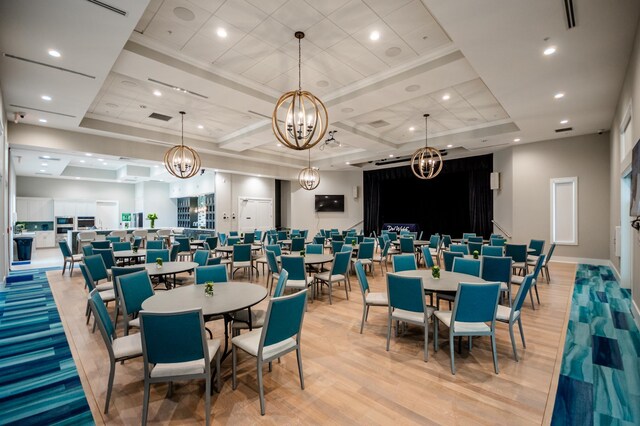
27, 186
526, 171
155, 199
303, 215
229, 187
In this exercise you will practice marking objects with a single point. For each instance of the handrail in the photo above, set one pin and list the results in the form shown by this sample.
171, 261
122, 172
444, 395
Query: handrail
501, 228
356, 224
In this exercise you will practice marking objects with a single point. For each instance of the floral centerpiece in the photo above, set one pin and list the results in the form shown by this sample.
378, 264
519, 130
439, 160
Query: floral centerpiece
135, 249
208, 288
353, 243
302, 252
475, 254
152, 217
435, 271
159, 262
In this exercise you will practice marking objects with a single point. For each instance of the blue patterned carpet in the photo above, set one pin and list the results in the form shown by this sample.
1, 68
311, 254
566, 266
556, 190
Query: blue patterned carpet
39, 383
600, 377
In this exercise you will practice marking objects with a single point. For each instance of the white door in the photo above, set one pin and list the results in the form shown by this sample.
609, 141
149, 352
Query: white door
107, 215
626, 234
254, 214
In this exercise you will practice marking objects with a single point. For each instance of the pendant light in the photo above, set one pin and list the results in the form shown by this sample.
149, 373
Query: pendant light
181, 161
299, 120
426, 162
309, 178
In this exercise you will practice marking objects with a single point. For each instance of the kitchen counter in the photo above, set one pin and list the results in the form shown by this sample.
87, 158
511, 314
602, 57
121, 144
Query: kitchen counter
72, 236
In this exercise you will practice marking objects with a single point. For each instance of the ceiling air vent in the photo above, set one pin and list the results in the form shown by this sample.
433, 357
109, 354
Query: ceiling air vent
564, 129
571, 15
43, 174
48, 158
31, 61
378, 123
161, 117
108, 7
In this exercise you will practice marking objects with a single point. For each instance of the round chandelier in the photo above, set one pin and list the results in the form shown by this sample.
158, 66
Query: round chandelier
299, 120
181, 161
426, 163
309, 178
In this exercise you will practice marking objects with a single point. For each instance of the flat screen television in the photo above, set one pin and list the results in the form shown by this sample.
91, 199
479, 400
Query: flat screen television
329, 203
635, 181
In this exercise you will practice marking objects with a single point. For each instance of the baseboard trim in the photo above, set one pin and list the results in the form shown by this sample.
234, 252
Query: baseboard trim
586, 260
635, 312
615, 272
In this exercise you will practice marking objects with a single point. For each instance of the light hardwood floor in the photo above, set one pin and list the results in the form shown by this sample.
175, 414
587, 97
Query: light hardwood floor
349, 377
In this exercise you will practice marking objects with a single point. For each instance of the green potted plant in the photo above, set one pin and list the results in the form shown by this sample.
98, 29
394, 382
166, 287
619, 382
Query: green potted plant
135, 249
302, 252
435, 272
159, 263
476, 254
208, 288
152, 217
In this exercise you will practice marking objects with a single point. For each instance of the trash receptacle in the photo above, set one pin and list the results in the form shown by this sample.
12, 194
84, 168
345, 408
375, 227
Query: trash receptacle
24, 247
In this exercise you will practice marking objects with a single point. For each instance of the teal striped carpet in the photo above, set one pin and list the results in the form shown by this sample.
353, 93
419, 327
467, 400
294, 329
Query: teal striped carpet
39, 383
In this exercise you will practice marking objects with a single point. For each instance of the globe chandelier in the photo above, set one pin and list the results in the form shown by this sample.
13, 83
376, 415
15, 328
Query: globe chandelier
426, 163
309, 177
299, 120
182, 161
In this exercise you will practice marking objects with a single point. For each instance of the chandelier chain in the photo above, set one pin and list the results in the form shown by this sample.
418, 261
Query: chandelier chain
299, 64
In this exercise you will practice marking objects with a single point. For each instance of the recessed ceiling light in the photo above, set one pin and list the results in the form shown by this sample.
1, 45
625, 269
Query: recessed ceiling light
45, 97
347, 163
516, 140
77, 178
411, 129
390, 155
559, 95
46, 156
200, 126
42, 170
565, 121
82, 161
375, 35
44, 164
550, 50
88, 155
449, 146
157, 93
156, 166
259, 175
446, 97
104, 164
100, 159
54, 53
279, 145
222, 33
43, 120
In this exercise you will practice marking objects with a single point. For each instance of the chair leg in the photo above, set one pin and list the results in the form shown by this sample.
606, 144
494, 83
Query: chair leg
299, 356
495, 352
64, 266
513, 341
260, 388
71, 269
233, 367
388, 331
207, 401
531, 297
112, 372
426, 341
218, 372
145, 403
364, 316
346, 291
524, 345
535, 286
452, 353
435, 334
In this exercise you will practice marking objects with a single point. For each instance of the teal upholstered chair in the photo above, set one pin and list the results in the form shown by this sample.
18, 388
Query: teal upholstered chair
101, 244
473, 246
113, 239
273, 267
537, 268
121, 246
96, 266
283, 276
297, 244
212, 242
517, 253
384, 255
276, 248
201, 257
298, 279
173, 252
466, 266
511, 315
336, 246
153, 255
280, 335
242, 259
119, 348
497, 241
339, 273
498, 269
492, 251
185, 247
407, 304
475, 240
69, 258
368, 298
404, 262
155, 245
406, 245
314, 249
474, 314
87, 250
214, 273
459, 248
134, 287
467, 235
174, 347
545, 266
448, 257
365, 255
249, 238
428, 257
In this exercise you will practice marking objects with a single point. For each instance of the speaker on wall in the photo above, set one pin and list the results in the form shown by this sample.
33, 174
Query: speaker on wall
355, 191
495, 180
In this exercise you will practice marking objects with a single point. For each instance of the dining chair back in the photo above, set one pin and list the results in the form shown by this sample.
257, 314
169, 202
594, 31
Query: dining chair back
446, 240
233, 233
314, 249
403, 262
459, 248
169, 341
545, 267
183, 243
319, 239
155, 245
153, 255
101, 244
350, 240
521, 296
113, 239
121, 246
365, 251
346, 248
88, 279
213, 273
212, 242
201, 257
173, 252
517, 252
336, 246
406, 245
87, 250
393, 236
297, 244
222, 238
497, 241
295, 267
434, 241
428, 258
214, 261
492, 251
474, 246
133, 289
496, 268
136, 242
281, 235
96, 267
337, 237
475, 240
276, 248
257, 235
107, 256
466, 266
249, 237
281, 284
466, 235
448, 257
232, 241
537, 246
294, 233
241, 253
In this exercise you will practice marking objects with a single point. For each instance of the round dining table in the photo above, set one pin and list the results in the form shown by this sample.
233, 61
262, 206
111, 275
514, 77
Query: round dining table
168, 268
129, 254
227, 298
448, 281
229, 249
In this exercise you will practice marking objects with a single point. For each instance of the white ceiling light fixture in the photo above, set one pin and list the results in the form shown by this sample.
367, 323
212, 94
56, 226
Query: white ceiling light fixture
446, 97
157, 93
43, 120
390, 155
88, 155
100, 159
82, 161
305, 119
374, 36
221, 32
182, 161
559, 95
426, 163
565, 121
516, 140
449, 146
44, 164
46, 156
347, 163
45, 97
411, 129
54, 53
200, 126
549, 50
42, 170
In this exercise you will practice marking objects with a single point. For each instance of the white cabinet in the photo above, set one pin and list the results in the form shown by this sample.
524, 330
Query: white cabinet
86, 208
74, 208
34, 209
45, 239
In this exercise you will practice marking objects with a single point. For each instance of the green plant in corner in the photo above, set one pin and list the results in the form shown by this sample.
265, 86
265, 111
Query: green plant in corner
152, 217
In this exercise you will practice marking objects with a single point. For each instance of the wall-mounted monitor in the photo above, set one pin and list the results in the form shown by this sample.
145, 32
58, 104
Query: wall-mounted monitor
329, 203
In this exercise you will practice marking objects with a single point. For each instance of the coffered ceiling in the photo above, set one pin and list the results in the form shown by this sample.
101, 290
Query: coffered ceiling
477, 68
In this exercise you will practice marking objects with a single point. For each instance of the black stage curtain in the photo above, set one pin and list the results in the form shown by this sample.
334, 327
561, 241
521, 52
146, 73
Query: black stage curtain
458, 200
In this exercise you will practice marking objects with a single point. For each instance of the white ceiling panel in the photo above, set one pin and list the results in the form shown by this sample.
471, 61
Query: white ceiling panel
267, 6
327, 7
358, 57
241, 14
325, 34
353, 16
389, 48
298, 15
273, 32
385, 7
234, 62
184, 13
